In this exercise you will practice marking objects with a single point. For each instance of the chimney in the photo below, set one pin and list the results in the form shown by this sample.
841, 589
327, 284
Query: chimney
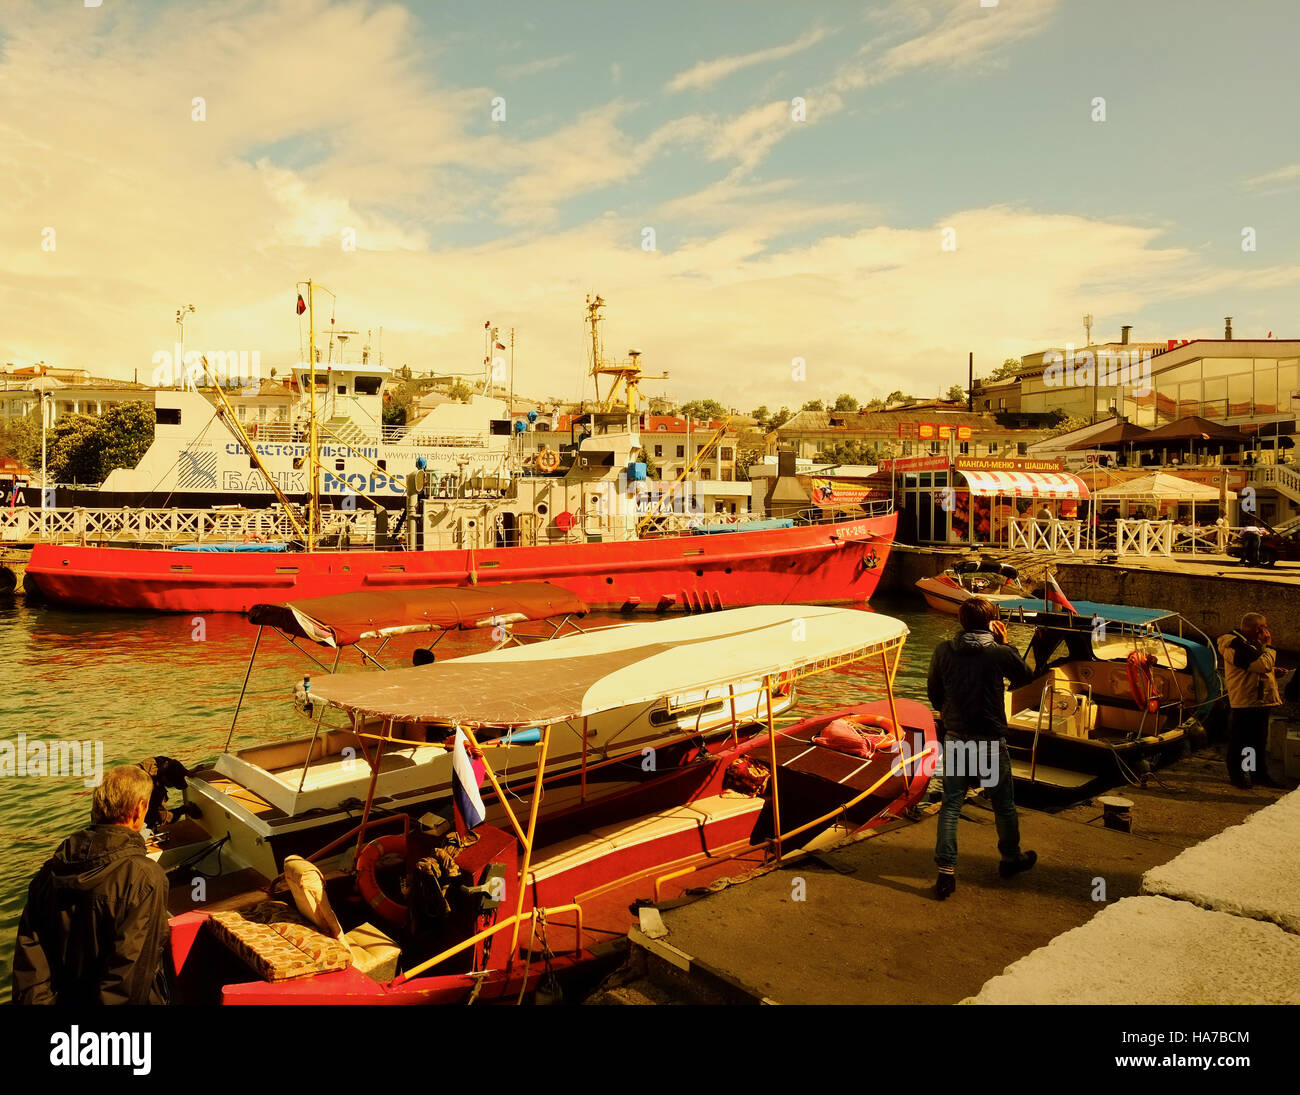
1123, 334
1227, 328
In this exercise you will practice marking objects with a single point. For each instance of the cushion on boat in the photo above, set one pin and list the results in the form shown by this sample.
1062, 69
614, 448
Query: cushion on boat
274, 942
844, 736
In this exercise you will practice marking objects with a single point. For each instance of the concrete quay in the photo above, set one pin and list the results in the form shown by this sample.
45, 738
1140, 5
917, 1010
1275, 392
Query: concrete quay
860, 924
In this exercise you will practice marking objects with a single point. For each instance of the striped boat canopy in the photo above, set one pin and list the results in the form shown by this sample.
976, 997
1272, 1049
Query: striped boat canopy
1025, 484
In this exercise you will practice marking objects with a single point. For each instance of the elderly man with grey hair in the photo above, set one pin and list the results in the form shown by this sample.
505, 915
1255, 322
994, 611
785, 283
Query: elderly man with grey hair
95, 927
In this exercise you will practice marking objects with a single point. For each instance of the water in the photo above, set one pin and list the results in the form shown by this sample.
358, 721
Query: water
149, 685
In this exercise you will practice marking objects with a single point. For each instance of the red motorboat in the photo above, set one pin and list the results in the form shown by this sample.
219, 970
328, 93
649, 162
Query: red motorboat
542, 879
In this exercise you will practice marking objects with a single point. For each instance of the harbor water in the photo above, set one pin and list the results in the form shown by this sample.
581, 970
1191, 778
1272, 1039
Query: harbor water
141, 686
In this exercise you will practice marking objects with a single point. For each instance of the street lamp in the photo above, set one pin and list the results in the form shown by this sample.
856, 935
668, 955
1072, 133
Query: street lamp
178, 368
44, 479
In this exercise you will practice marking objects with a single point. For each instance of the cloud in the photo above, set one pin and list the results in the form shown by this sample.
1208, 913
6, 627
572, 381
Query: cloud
1282, 178
534, 68
707, 73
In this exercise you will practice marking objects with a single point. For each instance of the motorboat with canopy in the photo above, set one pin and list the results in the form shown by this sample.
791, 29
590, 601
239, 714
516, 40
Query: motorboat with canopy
471, 917
272, 799
1114, 691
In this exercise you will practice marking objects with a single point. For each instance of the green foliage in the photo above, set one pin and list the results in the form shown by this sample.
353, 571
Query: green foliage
779, 419
1010, 367
20, 438
706, 409
460, 392
850, 452
899, 397
813, 405
761, 414
397, 404
1072, 422
84, 448
845, 403
956, 394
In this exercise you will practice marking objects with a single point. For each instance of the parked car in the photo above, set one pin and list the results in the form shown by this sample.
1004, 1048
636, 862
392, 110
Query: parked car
1273, 545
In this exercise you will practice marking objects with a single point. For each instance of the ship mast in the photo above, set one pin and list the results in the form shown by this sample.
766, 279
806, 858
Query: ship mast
313, 438
626, 373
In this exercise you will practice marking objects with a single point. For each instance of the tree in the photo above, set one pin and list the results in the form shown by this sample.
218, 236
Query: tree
779, 419
1072, 422
460, 392
20, 438
813, 405
846, 403
704, 409
760, 414
956, 394
1010, 367
85, 448
875, 405
899, 397
849, 452
397, 404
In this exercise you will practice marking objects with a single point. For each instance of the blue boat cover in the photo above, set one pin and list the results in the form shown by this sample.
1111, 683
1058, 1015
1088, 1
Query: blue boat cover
232, 547
1125, 614
746, 526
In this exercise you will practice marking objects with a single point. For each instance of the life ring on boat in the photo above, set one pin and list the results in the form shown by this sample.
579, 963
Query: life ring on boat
368, 882
548, 460
881, 722
1142, 682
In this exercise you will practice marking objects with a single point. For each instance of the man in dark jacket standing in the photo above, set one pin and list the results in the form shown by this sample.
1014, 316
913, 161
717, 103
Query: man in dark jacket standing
966, 689
95, 927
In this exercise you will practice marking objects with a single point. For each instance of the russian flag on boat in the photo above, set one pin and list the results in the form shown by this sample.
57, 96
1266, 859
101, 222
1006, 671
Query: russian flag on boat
1053, 593
466, 778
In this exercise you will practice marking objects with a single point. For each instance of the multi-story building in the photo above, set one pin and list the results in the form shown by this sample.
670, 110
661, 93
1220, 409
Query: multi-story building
68, 391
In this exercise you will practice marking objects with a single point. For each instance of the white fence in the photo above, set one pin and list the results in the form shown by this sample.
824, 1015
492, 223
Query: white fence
167, 526
1057, 537
1147, 539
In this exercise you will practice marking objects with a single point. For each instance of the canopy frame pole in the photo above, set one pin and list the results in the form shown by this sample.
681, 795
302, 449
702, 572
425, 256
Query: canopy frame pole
247, 674
582, 793
306, 763
534, 809
771, 748
492, 778
890, 672
735, 730
370, 791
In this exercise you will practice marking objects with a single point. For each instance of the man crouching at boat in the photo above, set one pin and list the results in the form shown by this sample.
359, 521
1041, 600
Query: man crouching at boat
95, 927
966, 689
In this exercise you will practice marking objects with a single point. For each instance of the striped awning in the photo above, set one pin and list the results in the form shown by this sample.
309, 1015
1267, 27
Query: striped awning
1025, 484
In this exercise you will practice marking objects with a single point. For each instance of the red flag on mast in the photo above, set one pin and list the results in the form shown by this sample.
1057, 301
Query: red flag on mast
302, 305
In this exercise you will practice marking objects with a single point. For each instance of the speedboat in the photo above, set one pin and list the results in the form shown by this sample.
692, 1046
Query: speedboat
1114, 691
988, 578
506, 888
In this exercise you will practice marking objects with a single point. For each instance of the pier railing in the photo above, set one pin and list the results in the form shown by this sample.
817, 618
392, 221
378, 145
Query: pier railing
27, 524
1163, 539
1054, 536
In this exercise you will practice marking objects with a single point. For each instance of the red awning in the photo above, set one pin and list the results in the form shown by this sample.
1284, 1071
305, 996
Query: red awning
1025, 484
346, 618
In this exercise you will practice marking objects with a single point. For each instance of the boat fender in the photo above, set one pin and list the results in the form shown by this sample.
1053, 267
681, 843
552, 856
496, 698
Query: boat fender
1141, 681
368, 882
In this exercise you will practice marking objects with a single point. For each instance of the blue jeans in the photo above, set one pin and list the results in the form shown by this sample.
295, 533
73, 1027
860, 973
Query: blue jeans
955, 782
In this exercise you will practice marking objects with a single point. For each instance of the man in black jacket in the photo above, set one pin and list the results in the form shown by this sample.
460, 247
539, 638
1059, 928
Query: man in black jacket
95, 927
966, 689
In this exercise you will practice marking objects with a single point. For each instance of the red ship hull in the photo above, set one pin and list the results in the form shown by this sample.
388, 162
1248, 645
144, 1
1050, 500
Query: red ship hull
837, 563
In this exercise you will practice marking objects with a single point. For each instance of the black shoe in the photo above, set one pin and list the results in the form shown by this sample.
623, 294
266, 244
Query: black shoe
946, 884
1022, 862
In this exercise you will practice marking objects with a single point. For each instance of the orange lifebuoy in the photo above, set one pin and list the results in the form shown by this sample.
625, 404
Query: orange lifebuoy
1141, 681
368, 883
882, 722
548, 460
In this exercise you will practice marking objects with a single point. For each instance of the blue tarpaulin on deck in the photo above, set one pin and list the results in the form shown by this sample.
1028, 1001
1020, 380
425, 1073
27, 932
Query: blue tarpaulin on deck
1125, 614
232, 547
745, 526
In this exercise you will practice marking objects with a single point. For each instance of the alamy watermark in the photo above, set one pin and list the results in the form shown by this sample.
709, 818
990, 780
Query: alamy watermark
83, 760
1073, 368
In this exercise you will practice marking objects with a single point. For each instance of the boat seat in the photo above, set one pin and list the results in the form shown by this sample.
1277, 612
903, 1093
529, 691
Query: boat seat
608, 839
274, 942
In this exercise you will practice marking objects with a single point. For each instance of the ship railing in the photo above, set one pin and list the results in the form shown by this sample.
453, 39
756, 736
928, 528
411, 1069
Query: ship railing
414, 435
26, 524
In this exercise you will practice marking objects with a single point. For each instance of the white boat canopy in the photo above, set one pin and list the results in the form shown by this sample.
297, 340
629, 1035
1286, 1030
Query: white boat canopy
581, 675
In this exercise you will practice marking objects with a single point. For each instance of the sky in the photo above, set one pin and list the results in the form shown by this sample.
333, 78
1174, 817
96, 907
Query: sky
873, 190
